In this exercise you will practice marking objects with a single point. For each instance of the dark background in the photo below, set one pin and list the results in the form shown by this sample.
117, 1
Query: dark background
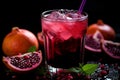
26, 14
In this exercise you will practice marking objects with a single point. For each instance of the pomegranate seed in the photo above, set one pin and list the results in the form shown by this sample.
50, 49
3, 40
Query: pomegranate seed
26, 57
70, 76
102, 66
103, 72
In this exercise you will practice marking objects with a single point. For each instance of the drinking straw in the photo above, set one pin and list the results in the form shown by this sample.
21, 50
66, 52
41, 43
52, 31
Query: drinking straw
82, 6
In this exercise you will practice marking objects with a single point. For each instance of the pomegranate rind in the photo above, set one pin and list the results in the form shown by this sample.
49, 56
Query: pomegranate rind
93, 50
6, 61
97, 37
40, 38
106, 49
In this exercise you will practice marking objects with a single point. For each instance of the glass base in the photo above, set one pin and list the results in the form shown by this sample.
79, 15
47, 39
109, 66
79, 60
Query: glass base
54, 70
58, 73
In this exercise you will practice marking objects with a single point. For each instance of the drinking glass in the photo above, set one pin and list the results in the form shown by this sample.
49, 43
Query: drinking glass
63, 33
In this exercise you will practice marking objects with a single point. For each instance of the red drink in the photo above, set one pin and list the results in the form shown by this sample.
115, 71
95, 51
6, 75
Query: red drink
64, 32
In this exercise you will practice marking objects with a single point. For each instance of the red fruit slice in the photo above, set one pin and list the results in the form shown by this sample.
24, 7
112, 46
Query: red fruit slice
93, 42
111, 48
23, 62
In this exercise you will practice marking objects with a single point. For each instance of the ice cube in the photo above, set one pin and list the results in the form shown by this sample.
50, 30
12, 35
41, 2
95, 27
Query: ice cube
64, 15
57, 27
54, 27
57, 16
65, 35
68, 18
53, 15
73, 15
58, 30
51, 35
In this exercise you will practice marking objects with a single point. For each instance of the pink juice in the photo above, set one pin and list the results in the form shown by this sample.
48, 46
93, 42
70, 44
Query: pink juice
64, 32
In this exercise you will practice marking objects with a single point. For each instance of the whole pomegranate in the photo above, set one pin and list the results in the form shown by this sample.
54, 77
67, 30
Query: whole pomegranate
106, 30
18, 41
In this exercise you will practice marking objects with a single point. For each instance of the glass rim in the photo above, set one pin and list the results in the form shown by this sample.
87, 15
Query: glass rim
46, 12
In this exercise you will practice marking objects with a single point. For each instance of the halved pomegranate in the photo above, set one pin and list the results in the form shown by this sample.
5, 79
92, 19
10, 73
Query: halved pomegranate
23, 62
111, 48
93, 42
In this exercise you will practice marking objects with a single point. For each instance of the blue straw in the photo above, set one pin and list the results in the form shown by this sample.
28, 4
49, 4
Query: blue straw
82, 6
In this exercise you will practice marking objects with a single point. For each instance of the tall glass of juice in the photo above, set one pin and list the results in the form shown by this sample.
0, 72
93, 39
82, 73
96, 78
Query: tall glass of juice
64, 32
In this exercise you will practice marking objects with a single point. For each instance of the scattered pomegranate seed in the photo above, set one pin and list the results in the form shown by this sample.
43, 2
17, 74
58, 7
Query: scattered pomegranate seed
103, 72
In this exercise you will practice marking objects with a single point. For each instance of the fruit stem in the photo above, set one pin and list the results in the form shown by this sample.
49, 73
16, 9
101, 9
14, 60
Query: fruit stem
100, 22
15, 28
